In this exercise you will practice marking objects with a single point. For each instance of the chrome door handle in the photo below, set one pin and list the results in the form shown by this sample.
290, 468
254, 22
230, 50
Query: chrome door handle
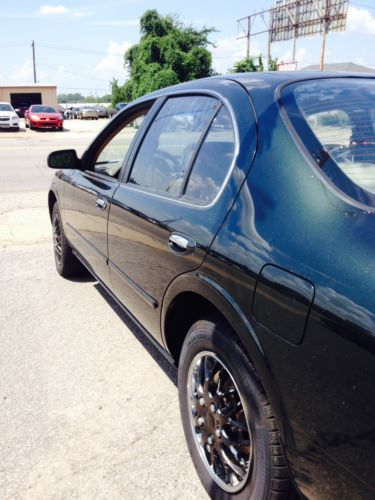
181, 243
101, 203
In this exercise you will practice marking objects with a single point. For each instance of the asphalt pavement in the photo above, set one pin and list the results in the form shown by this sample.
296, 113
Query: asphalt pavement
88, 407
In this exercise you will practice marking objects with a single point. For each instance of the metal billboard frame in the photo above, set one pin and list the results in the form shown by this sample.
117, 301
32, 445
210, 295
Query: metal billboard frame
292, 19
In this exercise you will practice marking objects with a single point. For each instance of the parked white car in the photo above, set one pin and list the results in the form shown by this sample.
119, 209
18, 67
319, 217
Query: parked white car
8, 117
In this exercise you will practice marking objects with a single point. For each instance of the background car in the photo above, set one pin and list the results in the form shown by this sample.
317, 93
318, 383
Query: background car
112, 112
238, 230
87, 113
74, 112
68, 113
42, 116
103, 112
20, 109
119, 106
8, 117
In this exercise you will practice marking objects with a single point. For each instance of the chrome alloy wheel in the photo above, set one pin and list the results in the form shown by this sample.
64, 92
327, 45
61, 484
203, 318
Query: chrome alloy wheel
57, 243
219, 422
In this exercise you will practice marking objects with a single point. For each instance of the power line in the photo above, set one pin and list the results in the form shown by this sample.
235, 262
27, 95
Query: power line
55, 47
82, 88
82, 51
72, 72
13, 45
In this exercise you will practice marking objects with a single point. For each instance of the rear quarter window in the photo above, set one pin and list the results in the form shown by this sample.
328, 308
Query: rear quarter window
335, 120
213, 161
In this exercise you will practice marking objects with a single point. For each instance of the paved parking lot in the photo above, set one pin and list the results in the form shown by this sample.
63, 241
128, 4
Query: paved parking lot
88, 407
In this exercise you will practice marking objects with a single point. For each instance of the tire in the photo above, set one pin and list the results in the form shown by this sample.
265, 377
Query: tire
67, 264
244, 460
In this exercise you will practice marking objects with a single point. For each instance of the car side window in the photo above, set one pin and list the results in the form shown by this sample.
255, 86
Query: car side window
170, 143
213, 160
112, 156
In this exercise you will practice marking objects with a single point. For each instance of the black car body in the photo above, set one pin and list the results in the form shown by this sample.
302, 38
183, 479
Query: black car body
20, 110
252, 215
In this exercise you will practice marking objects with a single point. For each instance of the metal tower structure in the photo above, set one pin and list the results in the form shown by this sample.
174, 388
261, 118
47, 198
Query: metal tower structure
292, 19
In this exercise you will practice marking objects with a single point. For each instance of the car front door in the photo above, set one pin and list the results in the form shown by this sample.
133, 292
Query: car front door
174, 195
88, 194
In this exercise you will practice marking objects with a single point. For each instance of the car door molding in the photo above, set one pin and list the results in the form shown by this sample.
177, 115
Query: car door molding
88, 243
150, 301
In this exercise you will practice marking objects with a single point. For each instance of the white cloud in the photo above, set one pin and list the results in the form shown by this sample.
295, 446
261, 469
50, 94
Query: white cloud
23, 73
112, 66
52, 9
303, 57
229, 50
361, 60
360, 20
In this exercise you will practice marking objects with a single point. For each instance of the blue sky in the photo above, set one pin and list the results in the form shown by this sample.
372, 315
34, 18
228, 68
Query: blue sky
79, 44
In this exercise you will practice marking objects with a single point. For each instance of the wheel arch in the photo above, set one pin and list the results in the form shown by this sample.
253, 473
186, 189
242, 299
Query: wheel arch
202, 296
52, 198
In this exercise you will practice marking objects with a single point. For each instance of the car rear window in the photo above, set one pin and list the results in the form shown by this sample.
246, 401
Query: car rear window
335, 119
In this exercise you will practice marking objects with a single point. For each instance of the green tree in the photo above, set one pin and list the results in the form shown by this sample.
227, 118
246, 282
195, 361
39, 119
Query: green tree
244, 65
272, 64
168, 53
248, 64
118, 92
75, 97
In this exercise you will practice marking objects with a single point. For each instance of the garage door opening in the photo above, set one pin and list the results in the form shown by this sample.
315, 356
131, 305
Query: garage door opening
25, 99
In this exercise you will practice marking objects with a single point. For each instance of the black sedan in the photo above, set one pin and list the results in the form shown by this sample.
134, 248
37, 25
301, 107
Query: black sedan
234, 219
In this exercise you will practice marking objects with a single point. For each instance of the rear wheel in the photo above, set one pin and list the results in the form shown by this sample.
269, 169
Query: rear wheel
66, 262
229, 424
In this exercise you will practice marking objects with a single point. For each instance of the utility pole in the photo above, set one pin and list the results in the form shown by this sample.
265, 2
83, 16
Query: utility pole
325, 29
248, 37
33, 46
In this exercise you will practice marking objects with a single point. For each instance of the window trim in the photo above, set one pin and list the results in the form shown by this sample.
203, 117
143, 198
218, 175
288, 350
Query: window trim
290, 114
179, 199
108, 133
197, 150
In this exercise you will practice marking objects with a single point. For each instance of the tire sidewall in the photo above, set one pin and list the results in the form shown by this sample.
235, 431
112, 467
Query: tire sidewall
56, 216
207, 336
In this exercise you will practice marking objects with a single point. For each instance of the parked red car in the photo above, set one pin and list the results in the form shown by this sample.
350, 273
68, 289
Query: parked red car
41, 116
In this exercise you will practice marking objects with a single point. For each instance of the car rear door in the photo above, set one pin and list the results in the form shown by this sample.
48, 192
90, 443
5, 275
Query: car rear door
178, 187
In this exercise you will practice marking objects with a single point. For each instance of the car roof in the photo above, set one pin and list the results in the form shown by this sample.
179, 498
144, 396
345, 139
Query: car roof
264, 81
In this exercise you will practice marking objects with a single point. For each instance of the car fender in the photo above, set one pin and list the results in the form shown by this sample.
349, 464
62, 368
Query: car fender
201, 284
54, 191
